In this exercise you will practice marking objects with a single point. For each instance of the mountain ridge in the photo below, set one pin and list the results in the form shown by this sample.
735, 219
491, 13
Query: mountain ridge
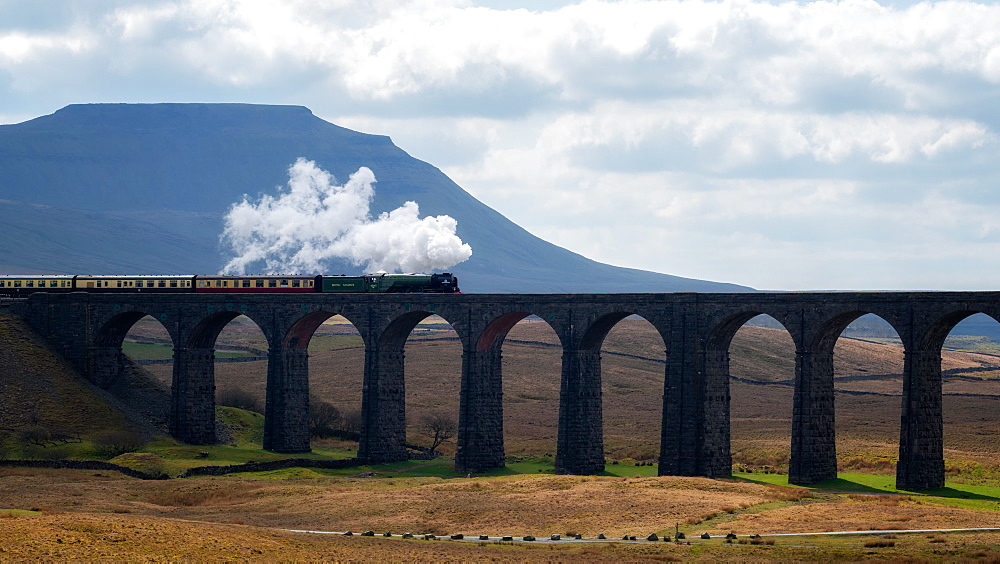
163, 175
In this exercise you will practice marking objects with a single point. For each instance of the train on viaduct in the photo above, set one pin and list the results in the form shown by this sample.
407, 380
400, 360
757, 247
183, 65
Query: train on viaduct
697, 328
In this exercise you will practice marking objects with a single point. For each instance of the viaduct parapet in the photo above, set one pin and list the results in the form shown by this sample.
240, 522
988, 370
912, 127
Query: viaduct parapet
696, 329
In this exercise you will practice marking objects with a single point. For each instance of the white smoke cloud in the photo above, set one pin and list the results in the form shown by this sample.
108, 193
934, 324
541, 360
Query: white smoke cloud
315, 220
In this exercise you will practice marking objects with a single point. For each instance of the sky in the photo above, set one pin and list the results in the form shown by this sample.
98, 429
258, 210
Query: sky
780, 145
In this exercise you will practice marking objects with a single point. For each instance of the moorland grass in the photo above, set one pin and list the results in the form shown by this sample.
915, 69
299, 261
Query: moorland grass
152, 351
334, 342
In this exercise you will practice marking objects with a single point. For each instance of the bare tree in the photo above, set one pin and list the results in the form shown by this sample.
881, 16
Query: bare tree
351, 422
35, 435
440, 427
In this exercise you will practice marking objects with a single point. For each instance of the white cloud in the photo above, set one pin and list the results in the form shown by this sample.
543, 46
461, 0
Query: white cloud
719, 133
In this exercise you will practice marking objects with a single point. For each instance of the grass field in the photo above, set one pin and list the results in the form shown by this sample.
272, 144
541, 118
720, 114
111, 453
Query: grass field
75, 514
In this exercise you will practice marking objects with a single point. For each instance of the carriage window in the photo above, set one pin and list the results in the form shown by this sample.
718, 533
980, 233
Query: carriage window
53, 284
246, 283
17, 283
161, 283
173, 283
284, 283
272, 283
295, 283
260, 283
30, 284
201, 283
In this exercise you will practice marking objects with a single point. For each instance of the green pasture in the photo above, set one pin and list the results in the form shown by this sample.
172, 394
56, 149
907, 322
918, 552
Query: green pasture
17, 512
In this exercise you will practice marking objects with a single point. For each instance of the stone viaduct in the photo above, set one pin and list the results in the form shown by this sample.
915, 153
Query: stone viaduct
88, 329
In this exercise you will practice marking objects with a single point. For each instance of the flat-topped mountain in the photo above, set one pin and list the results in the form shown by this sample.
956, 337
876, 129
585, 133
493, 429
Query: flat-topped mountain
142, 188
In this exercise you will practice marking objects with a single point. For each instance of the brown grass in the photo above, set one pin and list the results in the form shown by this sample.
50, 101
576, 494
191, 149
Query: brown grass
880, 544
234, 518
202, 495
508, 505
881, 499
837, 515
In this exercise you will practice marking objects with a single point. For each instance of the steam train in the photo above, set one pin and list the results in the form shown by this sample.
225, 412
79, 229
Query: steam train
20, 285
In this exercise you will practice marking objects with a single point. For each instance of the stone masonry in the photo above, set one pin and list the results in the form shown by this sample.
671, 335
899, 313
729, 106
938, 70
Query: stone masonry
88, 329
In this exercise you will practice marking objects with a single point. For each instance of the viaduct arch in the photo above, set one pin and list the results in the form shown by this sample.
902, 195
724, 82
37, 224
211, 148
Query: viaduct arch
696, 329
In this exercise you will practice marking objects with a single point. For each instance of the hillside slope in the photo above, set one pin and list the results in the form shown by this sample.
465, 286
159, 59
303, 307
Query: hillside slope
39, 388
161, 176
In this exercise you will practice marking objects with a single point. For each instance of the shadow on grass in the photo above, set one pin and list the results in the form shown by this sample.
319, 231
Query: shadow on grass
953, 493
878, 484
837, 485
848, 485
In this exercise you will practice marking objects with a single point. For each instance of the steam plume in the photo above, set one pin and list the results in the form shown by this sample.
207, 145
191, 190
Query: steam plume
315, 220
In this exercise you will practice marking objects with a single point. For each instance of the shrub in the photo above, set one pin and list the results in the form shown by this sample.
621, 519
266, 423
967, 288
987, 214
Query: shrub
57, 453
324, 418
880, 544
240, 399
114, 443
5, 447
